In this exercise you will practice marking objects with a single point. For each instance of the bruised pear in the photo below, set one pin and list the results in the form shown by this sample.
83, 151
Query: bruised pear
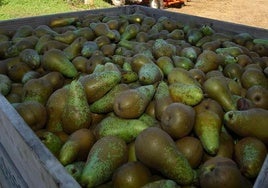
156, 149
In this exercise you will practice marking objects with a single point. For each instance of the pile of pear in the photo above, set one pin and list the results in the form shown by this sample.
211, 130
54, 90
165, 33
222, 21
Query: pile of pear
132, 100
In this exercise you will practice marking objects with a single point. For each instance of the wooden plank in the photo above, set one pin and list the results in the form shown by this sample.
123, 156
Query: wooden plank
25, 161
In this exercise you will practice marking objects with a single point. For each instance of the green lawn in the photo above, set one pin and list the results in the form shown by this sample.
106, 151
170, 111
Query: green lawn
10, 9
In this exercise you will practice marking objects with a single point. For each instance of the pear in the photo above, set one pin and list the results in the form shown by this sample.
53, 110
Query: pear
130, 32
77, 146
161, 183
178, 120
75, 169
96, 85
162, 99
156, 149
208, 60
33, 113
198, 74
55, 106
5, 84
59, 22
105, 104
250, 153
42, 30
223, 172
126, 129
131, 174
51, 141
183, 62
251, 122
252, 76
215, 85
74, 49
56, 60
133, 102
190, 52
37, 89
163, 48
15, 94
102, 29
192, 149
165, 64
150, 73
189, 94
67, 37
180, 75
211, 105
207, 127
76, 113
105, 156
31, 58
258, 95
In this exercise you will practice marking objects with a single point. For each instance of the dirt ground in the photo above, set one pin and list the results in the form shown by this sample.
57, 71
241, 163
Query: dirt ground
246, 12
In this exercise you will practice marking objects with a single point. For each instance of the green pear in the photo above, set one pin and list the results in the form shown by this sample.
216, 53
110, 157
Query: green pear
163, 48
105, 156
189, 94
208, 60
75, 169
216, 88
99, 83
56, 60
250, 153
105, 104
126, 129
51, 141
164, 183
67, 37
76, 113
77, 146
208, 127
55, 106
251, 122
130, 32
162, 98
5, 84
150, 73
74, 49
156, 149
31, 58
180, 75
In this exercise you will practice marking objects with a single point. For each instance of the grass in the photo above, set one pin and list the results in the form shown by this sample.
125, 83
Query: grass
11, 9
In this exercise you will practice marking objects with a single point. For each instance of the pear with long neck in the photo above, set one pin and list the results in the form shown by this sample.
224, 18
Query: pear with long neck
216, 88
76, 113
251, 122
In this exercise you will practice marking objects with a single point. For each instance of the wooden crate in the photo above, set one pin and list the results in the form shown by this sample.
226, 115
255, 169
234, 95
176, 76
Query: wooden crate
24, 159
